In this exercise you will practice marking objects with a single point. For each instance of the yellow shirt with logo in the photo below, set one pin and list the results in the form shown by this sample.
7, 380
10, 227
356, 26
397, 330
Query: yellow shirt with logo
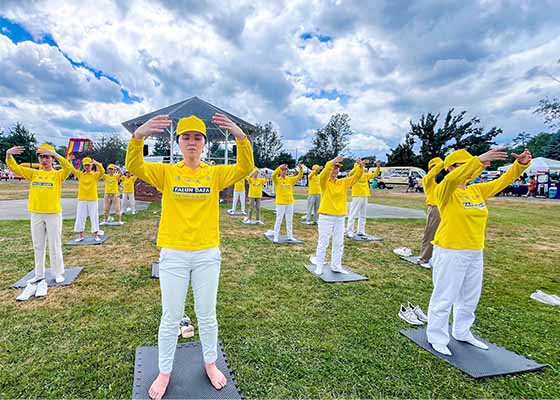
334, 192
429, 184
314, 185
284, 186
463, 211
128, 183
87, 182
112, 183
361, 188
255, 187
239, 186
190, 198
45, 186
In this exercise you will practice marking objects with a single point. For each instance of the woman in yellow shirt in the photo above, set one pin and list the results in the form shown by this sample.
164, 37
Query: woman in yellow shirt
313, 195
238, 196
112, 196
459, 243
44, 206
360, 197
284, 189
188, 233
332, 211
128, 192
255, 196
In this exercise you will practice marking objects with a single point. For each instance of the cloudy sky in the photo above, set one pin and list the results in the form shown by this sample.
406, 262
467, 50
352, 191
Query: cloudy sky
81, 68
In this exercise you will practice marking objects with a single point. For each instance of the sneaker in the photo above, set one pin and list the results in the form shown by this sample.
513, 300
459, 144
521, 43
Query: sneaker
403, 252
259, 222
313, 260
407, 315
27, 293
103, 223
97, 239
120, 222
246, 219
339, 270
418, 312
292, 239
59, 278
100, 232
318, 271
544, 298
474, 342
441, 348
425, 265
42, 288
349, 235
551, 297
36, 279
79, 239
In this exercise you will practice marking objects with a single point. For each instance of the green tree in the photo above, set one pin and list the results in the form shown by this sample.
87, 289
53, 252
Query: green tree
284, 158
110, 150
329, 141
403, 154
161, 147
267, 146
549, 109
20, 136
553, 148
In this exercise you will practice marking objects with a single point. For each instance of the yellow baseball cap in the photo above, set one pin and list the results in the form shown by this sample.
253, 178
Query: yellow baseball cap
46, 146
111, 166
458, 156
434, 161
87, 161
315, 166
190, 124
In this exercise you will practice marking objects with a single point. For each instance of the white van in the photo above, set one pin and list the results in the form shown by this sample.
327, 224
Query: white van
398, 176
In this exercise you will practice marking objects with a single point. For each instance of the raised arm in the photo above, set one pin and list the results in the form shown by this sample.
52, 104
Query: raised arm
100, 169
295, 178
276, 173
355, 175
522, 161
429, 181
24, 172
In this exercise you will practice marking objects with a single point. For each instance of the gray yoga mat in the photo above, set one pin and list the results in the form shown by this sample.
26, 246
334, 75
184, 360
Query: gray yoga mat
112, 223
251, 222
88, 241
70, 275
236, 213
282, 239
305, 222
155, 270
332, 277
366, 238
475, 362
188, 380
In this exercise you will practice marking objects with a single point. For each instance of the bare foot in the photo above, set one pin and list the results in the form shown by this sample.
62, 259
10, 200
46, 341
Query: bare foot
216, 377
157, 390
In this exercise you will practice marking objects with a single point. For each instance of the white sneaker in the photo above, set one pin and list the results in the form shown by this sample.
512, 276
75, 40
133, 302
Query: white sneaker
100, 232
474, 342
407, 315
349, 235
27, 293
78, 239
403, 252
339, 270
35, 279
259, 222
313, 260
103, 223
425, 265
441, 348
418, 312
120, 222
97, 239
318, 271
544, 298
59, 278
42, 289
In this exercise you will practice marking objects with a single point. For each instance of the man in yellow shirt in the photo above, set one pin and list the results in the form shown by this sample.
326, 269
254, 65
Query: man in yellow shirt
457, 264
128, 192
188, 233
87, 198
238, 195
255, 196
358, 206
313, 195
112, 196
44, 206
332, 212
284, 188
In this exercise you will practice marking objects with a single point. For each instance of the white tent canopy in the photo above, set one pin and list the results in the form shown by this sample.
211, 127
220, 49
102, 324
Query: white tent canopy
539, 163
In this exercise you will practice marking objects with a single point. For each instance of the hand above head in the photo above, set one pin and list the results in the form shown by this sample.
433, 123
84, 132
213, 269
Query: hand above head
15, 150
360, 162
337, 159
225, 123
284, 166
499, 153
523, 158
366, 162
378, 163
47, 152
153, 126
300, 165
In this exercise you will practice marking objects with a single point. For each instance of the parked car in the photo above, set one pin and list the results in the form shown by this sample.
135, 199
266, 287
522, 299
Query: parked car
398, 176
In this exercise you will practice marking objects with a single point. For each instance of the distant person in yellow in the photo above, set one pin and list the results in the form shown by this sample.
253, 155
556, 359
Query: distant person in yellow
255, 196
459, 242
44, 206
284, 188
188, 233
360, 196
128, 192
435, 166
238, 195
313, 194
87, 198
332, 212
112, 196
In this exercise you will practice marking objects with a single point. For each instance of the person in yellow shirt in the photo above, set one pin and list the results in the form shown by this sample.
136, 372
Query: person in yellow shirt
112, 197
313, 195
284, 188
87, 198
128, 192
435, 166
358, 206
188, 233
238, 195
457, 262
44, 206
255, 196
332, 212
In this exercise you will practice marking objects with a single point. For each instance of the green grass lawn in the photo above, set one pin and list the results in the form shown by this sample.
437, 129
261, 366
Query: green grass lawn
286, 334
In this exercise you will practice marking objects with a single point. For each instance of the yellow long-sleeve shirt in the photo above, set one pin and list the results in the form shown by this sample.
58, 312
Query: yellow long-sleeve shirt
463, 211
334, 192
255, 187
87, 182
190, 201
429, 184
128, 183
112, 183
239, 186
361, 188
314, 185
44, 186
284, 187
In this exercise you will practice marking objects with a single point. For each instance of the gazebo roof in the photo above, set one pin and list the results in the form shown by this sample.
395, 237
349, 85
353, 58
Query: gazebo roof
198, 107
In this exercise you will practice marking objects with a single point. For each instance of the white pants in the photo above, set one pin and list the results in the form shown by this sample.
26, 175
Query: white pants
87, 208
128, 201
47, 228
358, 209
178, 268
288, 211
330, 225
457, 278
241, 197
313, 202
